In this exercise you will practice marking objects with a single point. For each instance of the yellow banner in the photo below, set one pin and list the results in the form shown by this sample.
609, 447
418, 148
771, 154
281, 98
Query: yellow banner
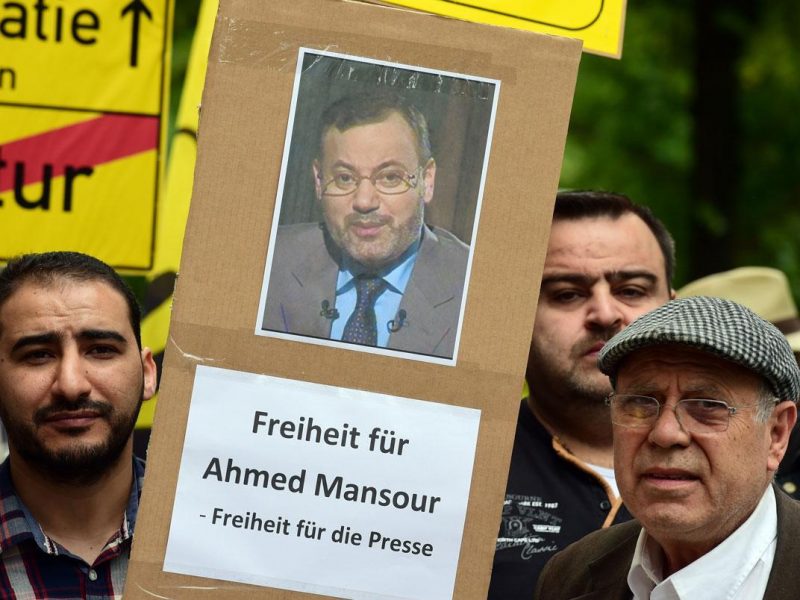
174, 208
599, 23
104, 55
82, 99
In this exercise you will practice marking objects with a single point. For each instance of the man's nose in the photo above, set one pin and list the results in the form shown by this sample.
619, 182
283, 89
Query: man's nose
605, 312
366, 197
667, 431
72, 377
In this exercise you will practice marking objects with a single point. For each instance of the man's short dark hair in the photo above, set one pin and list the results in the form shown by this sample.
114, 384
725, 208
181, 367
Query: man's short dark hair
368, 108
48, 267
586, 204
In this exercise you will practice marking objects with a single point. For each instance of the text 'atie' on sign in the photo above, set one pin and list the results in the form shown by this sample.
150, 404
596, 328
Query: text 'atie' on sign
81, 102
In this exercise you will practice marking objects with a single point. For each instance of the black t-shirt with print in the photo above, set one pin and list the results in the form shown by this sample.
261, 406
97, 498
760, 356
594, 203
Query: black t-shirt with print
551, 501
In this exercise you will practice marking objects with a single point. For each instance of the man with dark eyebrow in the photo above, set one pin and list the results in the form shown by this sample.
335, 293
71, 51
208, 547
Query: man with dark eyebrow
53, 338
73, 375
608, 262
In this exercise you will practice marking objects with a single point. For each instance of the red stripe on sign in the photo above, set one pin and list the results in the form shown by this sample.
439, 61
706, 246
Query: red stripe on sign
86, 144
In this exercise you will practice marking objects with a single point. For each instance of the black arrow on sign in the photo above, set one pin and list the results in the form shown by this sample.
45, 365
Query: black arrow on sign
137, 8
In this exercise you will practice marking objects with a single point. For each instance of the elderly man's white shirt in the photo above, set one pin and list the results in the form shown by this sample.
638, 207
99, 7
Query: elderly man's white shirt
737, 569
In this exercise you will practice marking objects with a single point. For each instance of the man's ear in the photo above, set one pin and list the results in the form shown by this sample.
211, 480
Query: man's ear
781, 423
672, 294
315, 166
428, 181
149, 374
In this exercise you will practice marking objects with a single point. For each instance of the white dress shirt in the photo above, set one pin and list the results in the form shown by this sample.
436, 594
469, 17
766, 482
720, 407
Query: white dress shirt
737, 569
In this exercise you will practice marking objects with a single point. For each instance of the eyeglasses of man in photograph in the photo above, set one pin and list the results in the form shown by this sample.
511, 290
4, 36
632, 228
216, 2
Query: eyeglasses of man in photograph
391, 180
695, 415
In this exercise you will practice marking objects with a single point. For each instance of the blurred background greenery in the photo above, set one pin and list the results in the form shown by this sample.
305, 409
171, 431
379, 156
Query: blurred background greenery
699, 121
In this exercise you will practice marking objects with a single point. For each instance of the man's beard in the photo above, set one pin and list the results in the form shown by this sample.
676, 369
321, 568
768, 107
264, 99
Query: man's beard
376, 254
572, 378
77, 464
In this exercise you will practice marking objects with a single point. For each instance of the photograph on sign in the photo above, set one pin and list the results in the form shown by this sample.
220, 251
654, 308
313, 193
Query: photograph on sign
377, 207
369, 488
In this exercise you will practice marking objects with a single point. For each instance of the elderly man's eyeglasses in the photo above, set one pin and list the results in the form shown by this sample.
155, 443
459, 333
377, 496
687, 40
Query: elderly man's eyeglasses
389, 181
695, 415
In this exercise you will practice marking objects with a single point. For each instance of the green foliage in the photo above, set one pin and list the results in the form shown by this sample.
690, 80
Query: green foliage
770, 201
632, 130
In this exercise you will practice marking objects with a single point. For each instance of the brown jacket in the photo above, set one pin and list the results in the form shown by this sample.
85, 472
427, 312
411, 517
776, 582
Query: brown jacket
596, 567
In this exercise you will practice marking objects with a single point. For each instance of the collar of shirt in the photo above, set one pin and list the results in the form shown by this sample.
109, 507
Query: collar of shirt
607, 473
737, 569
387, 304
18, 524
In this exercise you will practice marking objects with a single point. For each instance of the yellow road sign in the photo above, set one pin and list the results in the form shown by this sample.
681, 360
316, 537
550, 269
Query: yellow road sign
599, 23
82, 99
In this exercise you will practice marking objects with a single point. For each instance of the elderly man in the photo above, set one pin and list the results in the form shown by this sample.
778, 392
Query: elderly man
372, 273
73, 375
703, 405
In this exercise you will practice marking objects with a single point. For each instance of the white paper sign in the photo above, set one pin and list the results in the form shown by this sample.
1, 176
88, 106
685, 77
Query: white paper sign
319, 489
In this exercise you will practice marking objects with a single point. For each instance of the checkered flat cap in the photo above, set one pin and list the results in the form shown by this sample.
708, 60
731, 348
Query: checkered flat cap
720, 327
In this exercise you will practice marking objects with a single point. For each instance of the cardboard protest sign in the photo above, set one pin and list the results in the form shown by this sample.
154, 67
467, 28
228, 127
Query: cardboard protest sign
340, 458
82, 101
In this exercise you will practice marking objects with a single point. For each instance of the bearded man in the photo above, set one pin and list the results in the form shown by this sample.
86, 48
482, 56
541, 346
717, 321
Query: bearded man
372, 273
608, 261
73, 375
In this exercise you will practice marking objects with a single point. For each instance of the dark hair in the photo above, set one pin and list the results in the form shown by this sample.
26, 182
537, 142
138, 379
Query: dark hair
47, 267
585, 204
374, 107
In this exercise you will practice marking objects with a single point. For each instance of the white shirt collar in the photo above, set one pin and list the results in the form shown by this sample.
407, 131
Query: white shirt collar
608, 476
738, 568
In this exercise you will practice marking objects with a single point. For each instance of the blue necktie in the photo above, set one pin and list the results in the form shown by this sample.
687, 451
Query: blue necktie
362, 326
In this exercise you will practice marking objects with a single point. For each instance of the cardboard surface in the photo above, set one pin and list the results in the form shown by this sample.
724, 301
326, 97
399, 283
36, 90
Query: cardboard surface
246, 108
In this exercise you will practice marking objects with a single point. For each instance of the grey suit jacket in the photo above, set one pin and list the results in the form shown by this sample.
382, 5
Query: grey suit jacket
303, 282
596, 567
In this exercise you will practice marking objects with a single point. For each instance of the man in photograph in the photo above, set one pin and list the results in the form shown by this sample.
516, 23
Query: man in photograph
372, 273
